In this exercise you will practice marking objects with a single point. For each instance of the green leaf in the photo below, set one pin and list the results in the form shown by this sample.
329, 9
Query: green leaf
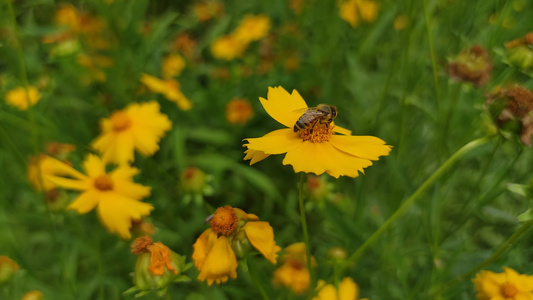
526, 216
521, 189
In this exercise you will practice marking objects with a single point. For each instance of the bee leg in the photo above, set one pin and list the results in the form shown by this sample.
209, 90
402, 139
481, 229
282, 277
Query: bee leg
312, 127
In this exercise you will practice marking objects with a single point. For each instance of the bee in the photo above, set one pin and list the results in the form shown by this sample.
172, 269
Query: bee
323, 114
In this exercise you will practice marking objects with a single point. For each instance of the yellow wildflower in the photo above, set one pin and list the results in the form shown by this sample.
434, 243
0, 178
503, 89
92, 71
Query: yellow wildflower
33, 295
18, 97
315, 149
239, 111
8, 267
348, 289
41, 166
353, 11
114, 195
509, 285
139, 126
252, 28
206, 10
172, 66
293, 273
228, 47
169, 88
232, 231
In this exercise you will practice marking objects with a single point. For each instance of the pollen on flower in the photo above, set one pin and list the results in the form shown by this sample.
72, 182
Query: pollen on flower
224, 220
120, 121
141, 244
508, 290
103, 183
317, 134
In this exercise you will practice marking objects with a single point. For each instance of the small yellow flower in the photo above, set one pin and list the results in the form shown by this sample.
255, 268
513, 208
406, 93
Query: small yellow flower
293, 273
172, 66
18, 97
312, 151
509, 285
348, 290
252, 28
232, 232
114, 195
239, 111
8, 267
139, 126
169, 88
353, 11
33, 295
228, 47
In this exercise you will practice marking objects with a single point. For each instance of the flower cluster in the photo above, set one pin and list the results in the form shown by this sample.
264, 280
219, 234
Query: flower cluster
509, 285
293, 272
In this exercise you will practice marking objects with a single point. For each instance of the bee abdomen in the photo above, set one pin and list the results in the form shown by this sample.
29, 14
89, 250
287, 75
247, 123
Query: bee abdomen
299, 126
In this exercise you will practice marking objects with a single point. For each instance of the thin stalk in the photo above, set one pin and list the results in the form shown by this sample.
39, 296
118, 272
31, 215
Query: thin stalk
304, 228
504, 247
257, 283
432, 54
415, 196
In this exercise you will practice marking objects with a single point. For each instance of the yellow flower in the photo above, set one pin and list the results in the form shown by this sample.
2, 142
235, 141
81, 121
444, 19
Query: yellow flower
18, 98
139, 126
352, 11
169, 88
231, 233
228, 47
173, 64
41, 166
239, 111
348, 290
509, 285
252, 28
313, 150
206, 10
114, 195
293, 273
8, 267
33, 295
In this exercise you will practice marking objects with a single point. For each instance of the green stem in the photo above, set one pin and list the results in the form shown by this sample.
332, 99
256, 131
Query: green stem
432, 54
415, 196
256, 281
506, 245
304, 228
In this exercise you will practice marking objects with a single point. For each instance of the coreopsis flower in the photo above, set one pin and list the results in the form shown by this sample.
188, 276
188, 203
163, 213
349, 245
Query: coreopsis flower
114, 195
252, 28
172, 65
239, 111
519, 53
355, 11
509, 285
8, 267
228, 47
169, 88
22, 98
347, 290
315, 148
232, 234
139, 126
471, 65
33, 295
293, 273
157, 266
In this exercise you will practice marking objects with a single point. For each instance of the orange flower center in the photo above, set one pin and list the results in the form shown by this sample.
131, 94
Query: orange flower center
224, 220
141, 244
103, 183
316, 134
120, 121
296, 264
508, 290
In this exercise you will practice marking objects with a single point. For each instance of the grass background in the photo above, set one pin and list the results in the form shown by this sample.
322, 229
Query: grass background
387, 83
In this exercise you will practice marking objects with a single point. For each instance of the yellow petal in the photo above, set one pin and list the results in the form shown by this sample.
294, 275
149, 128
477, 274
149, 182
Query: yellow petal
179, 98
341, 130
283, 107
67, 183
220, 263
85, 202
348, 289
153, 83
202, 246
117, 211
295, 278
261, 236
255, 156
62, 168
245, 216
275, 142
327, 292
130, 189
93, 166
369, 147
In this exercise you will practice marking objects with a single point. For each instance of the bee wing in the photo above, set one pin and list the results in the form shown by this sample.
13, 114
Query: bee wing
301, 110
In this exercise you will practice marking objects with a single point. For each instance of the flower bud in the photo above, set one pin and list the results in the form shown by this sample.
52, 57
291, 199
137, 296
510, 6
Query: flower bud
520, 53
337, 253
193, 180
33, 295
7, 268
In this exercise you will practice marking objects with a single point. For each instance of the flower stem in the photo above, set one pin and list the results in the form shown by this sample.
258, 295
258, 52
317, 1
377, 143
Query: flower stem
304, 228
506, 245
256, 281
415, 196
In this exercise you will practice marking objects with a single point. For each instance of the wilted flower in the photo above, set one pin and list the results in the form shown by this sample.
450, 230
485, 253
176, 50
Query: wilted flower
114, 195
293, 272
228, 47
172, 66
169, 88
353, 11
33, 295
313, 149
252, 28
471, 65
205, 10
139, 126
520, 53
8, 267
509, 285
184, 44
233, 232
23, 98
239, 111
347, 289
